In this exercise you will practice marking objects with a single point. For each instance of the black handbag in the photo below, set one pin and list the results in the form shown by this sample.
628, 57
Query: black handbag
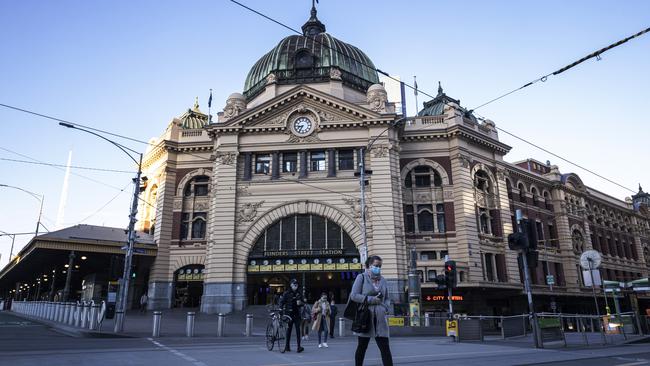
350, 312
361, 323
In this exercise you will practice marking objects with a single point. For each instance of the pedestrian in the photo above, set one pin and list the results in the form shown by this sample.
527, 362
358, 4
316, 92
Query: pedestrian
321, 316
305, 322
371, 286
334, 312
291, 302
143, 302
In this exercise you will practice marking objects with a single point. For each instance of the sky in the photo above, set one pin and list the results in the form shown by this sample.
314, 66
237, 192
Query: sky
129, 67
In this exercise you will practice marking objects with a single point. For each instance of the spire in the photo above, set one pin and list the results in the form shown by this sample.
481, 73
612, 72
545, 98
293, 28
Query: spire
440, 92
195, 108
313, 26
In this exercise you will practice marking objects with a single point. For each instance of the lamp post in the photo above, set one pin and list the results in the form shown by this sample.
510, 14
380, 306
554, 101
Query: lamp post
39, 197
122, 300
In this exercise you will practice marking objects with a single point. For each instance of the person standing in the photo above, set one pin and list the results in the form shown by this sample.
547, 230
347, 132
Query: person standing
291, 302
321, 314
143, 302
334, 312
304, 323
371, 286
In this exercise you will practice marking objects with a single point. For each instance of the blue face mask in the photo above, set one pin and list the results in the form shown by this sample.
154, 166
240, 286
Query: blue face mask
375, 270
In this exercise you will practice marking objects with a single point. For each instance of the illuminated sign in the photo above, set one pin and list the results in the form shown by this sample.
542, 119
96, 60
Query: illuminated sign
443, 298
305, 252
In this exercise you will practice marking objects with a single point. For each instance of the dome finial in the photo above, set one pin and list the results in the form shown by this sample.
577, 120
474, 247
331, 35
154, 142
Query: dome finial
196, 104
439, 88
313, 25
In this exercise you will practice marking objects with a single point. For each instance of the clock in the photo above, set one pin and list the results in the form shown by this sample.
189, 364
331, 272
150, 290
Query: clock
302, 126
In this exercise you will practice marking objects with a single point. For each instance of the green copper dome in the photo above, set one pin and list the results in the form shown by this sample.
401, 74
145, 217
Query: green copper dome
315, 56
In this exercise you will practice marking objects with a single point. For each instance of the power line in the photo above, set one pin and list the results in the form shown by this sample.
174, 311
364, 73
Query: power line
104, 206
66, 166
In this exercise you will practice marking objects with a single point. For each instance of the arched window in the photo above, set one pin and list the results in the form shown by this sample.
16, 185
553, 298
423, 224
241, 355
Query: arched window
482, 182
535, 194
485, 222
198, 186
578, 242
303, 60
547, 201
522, 192
423, 176
509, 188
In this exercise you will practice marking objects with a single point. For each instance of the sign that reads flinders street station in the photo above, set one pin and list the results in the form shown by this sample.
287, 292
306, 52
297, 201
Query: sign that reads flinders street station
294, 260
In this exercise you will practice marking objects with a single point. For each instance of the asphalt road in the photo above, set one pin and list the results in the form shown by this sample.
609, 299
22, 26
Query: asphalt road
30, 343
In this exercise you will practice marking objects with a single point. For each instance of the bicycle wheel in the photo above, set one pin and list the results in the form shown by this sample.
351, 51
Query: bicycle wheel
270, 336
280, 335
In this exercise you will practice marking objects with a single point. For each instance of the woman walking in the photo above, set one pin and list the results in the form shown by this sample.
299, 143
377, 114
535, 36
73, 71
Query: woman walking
306, 320
371, 286
321, 315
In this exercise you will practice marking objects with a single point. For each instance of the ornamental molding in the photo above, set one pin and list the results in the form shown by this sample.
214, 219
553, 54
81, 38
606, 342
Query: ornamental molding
377, 100
335, 73
354, 206
226, 158
380, 151
243, 190
248, 212
465, 161
178, 204
293, 139
201, 205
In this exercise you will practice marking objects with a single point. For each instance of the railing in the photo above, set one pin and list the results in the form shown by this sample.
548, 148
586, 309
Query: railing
85, 314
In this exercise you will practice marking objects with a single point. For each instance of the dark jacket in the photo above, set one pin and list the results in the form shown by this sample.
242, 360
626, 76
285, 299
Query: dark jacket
289, 302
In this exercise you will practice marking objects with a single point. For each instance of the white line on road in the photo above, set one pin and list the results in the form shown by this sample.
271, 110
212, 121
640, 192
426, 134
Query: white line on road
177, 353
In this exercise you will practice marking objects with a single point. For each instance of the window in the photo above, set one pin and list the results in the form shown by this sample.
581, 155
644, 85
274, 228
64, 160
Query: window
423, 176
440, 217
443, 254
540, 233
553, 235
409, 219
425, 218
262, 163
488, 267
303, 232
185, 224
482, 182
461, 276
431, 275
485, 224
346, 159
198, 185
428, 256
317, 161
522, 192
534, 192
198, 225
408, 182
304, 60
290, 162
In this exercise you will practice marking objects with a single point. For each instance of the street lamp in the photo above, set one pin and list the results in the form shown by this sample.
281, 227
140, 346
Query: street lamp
121, 303
39, 197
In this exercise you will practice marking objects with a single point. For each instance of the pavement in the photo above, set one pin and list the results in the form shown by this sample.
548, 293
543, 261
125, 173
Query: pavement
29, 342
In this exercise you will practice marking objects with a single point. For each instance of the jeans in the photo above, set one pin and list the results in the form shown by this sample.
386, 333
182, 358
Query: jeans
322, 331
384, 349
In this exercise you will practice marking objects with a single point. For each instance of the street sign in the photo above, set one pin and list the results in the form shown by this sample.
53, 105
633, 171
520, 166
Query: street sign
550, 280
587, 277
138, 250
452, 328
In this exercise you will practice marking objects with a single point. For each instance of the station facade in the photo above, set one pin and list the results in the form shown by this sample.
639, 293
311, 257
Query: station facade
266, 191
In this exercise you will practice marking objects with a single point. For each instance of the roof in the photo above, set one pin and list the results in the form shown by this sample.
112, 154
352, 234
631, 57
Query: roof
436, 106
193, 119
92, 232
310, 57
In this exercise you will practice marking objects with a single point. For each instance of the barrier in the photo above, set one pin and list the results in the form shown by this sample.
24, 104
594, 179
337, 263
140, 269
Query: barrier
341, 327
470, 329
189, 327
221, 322
92, 321
84, 314
157, 315
77, 314
249, 325
514, 326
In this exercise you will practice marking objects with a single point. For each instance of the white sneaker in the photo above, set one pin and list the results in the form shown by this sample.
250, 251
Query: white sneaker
325, 345
320, 345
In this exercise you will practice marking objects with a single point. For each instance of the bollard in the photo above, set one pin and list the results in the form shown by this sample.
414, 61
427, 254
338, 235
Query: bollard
341, 327
119, 316
94, 310
427, 320
221, 322
77, 315
66, 313
156, 323
59, 311
84, 314
189, 328
249, 325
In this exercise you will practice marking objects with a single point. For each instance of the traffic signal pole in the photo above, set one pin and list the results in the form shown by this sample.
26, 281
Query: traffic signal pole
529, 294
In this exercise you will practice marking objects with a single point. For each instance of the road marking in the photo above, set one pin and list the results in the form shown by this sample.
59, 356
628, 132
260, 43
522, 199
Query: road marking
633, 363
177, 353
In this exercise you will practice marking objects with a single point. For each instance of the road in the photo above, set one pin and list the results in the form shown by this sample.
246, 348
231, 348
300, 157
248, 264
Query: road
30, 343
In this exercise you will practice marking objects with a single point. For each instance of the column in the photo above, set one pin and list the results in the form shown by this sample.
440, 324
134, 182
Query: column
248, 166
68, 277
303, 164
331, 163
512, 266
275, 165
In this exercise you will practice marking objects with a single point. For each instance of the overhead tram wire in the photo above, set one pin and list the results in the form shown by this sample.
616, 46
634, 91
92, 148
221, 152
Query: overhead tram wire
66, 166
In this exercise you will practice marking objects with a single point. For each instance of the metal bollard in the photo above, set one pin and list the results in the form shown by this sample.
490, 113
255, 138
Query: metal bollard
84, 314
156, 323
189, 328
249, 325
77, 315
67, 307
59, 310
94, 310
73, 308
427, 320
341, 327
221, 322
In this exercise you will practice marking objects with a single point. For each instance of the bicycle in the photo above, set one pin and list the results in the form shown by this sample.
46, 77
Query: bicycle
276, 329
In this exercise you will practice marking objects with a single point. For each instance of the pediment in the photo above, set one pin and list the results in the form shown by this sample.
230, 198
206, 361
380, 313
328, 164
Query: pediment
275, 114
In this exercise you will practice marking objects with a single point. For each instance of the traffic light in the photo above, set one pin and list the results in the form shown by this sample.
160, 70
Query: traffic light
450, 274
526, 239
532, 257
441, 281
517, 241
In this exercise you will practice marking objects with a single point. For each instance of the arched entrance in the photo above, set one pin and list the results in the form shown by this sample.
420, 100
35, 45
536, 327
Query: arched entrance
313, 249
188, 286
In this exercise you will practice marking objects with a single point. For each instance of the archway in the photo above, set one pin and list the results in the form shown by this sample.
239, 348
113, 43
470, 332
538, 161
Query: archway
188, 286
315, 250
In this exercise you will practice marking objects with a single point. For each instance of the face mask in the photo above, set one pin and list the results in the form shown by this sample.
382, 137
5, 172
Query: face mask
375, 270
294, 287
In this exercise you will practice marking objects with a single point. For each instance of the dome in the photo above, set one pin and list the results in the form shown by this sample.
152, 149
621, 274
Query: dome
314, 56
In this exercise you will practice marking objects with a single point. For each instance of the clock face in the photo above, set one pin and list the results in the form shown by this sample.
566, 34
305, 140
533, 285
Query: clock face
302, 125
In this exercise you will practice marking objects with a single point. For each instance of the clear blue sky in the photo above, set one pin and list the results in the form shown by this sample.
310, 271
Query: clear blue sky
129, 67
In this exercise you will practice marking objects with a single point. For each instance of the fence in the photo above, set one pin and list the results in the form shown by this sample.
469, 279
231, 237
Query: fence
88, 315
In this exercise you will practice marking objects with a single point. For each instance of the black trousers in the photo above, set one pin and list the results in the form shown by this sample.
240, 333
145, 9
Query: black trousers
294, 323
384, 348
